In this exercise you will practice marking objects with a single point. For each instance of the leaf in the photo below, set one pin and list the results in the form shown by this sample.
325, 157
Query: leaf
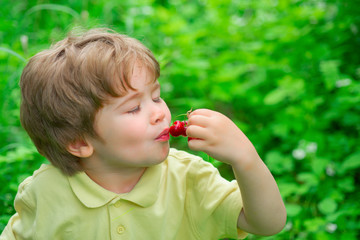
287, 189
314, 224
13, 53
351, 162
293, 210
346, 184
327, 206
330, 72
275, 96
308, 178
278, 163
53, 7
288, 88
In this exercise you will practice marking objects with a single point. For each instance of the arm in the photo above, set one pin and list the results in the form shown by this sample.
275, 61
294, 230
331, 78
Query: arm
8, 234
22, 225
264, 211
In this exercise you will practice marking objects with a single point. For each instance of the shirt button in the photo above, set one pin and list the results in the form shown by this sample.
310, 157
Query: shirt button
120, 229
117, 204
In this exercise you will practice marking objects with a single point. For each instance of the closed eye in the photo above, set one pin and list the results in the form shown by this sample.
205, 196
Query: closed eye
158, 99
134, 110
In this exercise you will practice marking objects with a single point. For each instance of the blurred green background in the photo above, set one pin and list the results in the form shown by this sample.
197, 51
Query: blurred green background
286, 71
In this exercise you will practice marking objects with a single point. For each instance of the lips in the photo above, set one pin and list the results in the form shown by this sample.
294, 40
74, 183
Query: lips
164, 135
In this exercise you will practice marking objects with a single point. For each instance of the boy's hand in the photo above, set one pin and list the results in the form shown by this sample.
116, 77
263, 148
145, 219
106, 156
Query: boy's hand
216, 135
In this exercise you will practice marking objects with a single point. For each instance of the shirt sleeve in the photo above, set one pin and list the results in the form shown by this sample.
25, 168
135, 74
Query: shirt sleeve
215, 203
20, 225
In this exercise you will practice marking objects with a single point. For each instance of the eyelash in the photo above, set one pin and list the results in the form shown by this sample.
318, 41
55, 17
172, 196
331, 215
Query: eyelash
137, 108
158, 99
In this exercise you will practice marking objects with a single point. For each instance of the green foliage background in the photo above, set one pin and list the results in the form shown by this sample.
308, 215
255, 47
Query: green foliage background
286, 71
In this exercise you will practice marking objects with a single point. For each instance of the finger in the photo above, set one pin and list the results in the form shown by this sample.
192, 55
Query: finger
196, 144
195, 131
201, 111
199, 120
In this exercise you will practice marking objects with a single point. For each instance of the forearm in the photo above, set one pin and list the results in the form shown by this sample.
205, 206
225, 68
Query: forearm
263, 209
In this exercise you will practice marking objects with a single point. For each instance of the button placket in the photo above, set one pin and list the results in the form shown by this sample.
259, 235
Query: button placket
120, 229
117, 209
117, 204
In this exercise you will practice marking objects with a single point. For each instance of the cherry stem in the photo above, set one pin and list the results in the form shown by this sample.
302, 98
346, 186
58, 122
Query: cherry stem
184, 114
188, 113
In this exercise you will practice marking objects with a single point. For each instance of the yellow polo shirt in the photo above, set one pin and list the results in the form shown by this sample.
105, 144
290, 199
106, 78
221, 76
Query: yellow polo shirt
182, 198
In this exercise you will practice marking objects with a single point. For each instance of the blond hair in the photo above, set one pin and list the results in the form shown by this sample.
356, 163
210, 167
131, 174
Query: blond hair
63, 88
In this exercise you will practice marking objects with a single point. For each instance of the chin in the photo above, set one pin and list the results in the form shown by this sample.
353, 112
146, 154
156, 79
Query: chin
163, 154
166, 151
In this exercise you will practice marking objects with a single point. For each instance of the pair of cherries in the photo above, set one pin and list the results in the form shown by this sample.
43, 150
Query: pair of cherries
178, 128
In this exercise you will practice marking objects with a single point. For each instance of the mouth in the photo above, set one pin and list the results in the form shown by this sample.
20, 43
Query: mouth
164, 135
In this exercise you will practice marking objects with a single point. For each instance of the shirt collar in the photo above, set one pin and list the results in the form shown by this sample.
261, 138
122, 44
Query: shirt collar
93, 195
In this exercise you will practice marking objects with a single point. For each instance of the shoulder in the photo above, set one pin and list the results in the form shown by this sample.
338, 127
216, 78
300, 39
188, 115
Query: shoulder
45, 180
45, 176
184, 162
201, 176
194, 167
182, 156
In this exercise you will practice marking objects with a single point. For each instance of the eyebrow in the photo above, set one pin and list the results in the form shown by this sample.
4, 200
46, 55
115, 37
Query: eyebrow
128, 98
137, 94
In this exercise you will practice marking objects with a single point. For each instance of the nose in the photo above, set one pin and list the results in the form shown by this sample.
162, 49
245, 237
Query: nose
157, 115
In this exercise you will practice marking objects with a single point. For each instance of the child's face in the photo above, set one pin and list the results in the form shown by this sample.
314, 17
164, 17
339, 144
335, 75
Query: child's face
134, 127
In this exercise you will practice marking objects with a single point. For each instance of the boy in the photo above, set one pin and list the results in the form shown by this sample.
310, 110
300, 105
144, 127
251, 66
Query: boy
91, 104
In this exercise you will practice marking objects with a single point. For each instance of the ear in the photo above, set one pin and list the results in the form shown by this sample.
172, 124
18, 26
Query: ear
80, 148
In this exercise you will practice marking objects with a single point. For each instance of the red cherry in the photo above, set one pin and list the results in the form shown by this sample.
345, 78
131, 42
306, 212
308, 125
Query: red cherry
178, 128
183, 129
174, 132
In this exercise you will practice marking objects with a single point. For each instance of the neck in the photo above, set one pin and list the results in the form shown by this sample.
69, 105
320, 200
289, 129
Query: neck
119, 181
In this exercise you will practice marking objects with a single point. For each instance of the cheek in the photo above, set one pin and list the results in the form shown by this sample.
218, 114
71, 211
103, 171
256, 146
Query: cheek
132, 131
